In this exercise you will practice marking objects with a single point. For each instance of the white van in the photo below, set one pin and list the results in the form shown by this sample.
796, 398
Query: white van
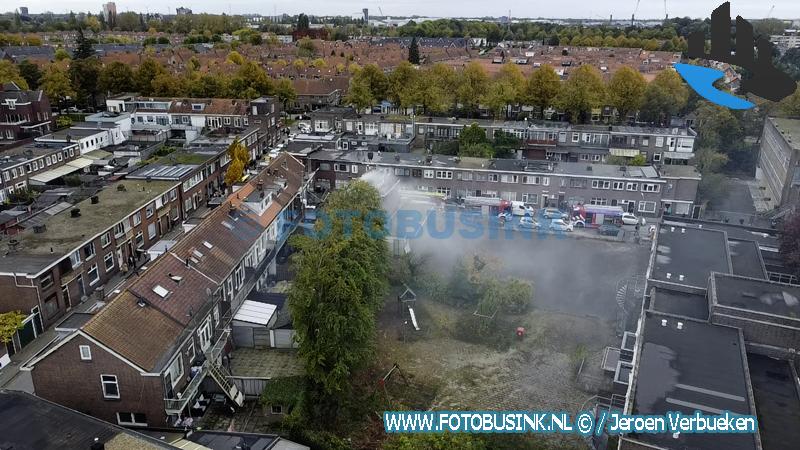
521, 209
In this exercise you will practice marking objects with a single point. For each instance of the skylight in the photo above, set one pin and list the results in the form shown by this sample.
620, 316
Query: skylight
208, 245
161, 291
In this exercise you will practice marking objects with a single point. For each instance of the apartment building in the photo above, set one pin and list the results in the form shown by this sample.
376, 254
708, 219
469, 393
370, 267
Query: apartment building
187, 119
641, 190
777, 171
23, 114
709, 283
38, 163
555, 141
199, 168
50, 267
141, 360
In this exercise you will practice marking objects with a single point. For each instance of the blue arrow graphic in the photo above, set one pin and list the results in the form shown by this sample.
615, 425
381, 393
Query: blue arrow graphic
702, 79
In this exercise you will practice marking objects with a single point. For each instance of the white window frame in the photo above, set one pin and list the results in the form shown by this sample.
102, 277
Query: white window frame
103, 384
642, 207
132, 422
105, 261
105, 239
651, 187
96, 270
86, 352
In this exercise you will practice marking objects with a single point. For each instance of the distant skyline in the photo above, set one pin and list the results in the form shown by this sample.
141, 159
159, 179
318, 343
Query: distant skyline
578, 9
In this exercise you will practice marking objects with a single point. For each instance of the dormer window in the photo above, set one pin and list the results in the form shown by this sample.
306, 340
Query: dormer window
12, 104
197, 106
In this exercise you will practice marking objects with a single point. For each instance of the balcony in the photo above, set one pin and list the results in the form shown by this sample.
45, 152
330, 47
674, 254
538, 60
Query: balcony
175, 406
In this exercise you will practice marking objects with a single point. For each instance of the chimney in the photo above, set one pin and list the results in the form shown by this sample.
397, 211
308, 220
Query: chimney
95, 199
75, 212
12, 245
97, 445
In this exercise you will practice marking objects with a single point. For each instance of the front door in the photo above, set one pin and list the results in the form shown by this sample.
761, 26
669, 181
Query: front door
65, 294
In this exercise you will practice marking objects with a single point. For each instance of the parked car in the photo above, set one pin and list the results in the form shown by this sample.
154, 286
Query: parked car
529, 223
561, 225
630, 219
578, 222
553, 213
609, 230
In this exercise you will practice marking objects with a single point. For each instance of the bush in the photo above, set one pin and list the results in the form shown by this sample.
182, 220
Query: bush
285, 391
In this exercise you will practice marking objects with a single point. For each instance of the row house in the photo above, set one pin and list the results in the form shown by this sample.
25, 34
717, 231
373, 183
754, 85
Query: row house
188, 119
554, 141
142, 359
641, 190
88, 139
50, 267
200, 169
37, 164
23, 114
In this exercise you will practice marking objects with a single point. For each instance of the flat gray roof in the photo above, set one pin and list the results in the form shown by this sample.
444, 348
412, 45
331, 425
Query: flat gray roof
674, 373
777, 402
687, 256
64, 233
752, 294
746, 259
679, 303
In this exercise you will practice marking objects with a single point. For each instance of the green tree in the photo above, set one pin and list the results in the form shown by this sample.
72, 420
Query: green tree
434, 89
61, 54
583, 91
306, 48
542, 88
63, 121
302, 22
285, 92
718, 128
401, 83
790, 105
626, 91
664, 97
413, 51
84, 74
359, 95
341, 277
471, 84
167, 85
506, 89
235, 57
30, 72
10, 323
148, 70
375, 79
472, 134
83, 47
476, 151
9, 72
56, 84
234, 173
116, 77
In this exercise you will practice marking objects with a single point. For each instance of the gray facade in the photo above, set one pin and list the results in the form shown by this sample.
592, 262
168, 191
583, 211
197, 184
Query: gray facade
777, 161
636, 189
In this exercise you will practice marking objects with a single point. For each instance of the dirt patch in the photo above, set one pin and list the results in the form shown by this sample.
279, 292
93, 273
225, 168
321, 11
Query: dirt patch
536, 373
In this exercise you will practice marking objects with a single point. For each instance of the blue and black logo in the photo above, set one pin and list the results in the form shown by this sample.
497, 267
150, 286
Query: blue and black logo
766, 80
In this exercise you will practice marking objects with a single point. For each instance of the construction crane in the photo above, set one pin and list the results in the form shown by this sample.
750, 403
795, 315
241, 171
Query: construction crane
636, 9
769, 14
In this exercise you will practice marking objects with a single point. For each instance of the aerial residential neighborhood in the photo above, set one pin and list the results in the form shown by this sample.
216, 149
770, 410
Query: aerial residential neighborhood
444, 227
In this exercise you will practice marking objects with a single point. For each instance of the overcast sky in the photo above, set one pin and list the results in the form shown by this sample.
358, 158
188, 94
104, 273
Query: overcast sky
788, 9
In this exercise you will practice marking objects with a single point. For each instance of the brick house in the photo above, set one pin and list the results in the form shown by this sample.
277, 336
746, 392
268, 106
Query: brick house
23, 114
146, 353
47, 269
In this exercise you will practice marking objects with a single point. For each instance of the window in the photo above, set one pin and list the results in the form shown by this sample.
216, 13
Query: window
109, 261
88, 251
618, 185
137, 218
151, 230
150, 210
650, 187
86, 352
509, 179
645, 142
493, 177
575, 137
530, 198
75, 259
354, 168
545, 181
324, 166
139, 239
601, 184
105, 239
110, 386
656, 157
584, 157
632, 187
466, 176
277, 409
647, 207
173, 194
596, 158
598, 201
427, 173
93, 274
132, 419
444, 174
577, 183
659, 141
339, 167
175, 370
